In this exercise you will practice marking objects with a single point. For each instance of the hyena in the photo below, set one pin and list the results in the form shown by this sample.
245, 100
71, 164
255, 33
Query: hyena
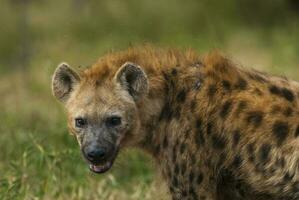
215, 129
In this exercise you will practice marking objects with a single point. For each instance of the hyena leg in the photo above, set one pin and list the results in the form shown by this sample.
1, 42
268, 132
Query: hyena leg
197, 188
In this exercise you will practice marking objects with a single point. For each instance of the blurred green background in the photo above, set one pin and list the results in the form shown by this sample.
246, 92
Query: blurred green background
38, 159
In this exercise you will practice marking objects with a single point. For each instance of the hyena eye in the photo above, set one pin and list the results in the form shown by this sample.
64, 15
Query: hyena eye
113, 121
80, 122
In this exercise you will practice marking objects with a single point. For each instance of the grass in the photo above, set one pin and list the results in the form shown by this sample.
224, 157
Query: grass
38, 158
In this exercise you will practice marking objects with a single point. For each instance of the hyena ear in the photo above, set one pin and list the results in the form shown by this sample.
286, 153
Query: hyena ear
63, 81
132, 78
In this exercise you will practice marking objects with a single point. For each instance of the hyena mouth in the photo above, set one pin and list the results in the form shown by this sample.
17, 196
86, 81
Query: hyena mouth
103, 166
100, 168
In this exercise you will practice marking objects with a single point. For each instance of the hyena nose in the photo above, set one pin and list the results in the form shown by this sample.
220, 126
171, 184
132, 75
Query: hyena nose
96, 155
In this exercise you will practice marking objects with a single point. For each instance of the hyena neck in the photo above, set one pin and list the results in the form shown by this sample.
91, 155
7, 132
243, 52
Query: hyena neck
164, 111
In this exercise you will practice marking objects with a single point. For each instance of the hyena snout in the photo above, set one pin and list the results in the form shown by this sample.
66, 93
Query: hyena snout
97, 154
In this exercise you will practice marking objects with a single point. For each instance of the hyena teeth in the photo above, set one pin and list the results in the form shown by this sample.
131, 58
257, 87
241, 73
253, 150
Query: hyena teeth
100, 168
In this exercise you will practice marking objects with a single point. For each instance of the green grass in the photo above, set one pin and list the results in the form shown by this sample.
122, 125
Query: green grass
38, 158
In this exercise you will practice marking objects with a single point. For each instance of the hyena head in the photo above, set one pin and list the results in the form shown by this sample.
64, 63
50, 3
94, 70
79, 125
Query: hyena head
102, 114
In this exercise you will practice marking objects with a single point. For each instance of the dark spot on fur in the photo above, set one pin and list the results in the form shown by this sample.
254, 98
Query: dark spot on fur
181, 97
283, 92
226, 85
191, 176
182, 148
193, 105
288, 177
202, 197
255, 118
193, 160
208, 163
288, 111
183, 168
176, 169
237, 161
172, 189
274, 90
228, 186
241, 84
218, 142
165, 75
175, 146
174, 72
287, 94
280, 130
157, 149
295, 187
236, 138
264, 153
166, 112
272, 170
241, 189
297, 132
175, 182
199, 138
221, 160
199, 178
209, 128
174, 157
250, 150
165, 142
193, 193
225, 109
212, 90
184, 193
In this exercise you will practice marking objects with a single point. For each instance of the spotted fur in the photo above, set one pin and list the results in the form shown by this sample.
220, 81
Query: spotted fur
216, 130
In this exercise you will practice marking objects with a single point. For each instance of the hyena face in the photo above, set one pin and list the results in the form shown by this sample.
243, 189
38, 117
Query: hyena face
101, 116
